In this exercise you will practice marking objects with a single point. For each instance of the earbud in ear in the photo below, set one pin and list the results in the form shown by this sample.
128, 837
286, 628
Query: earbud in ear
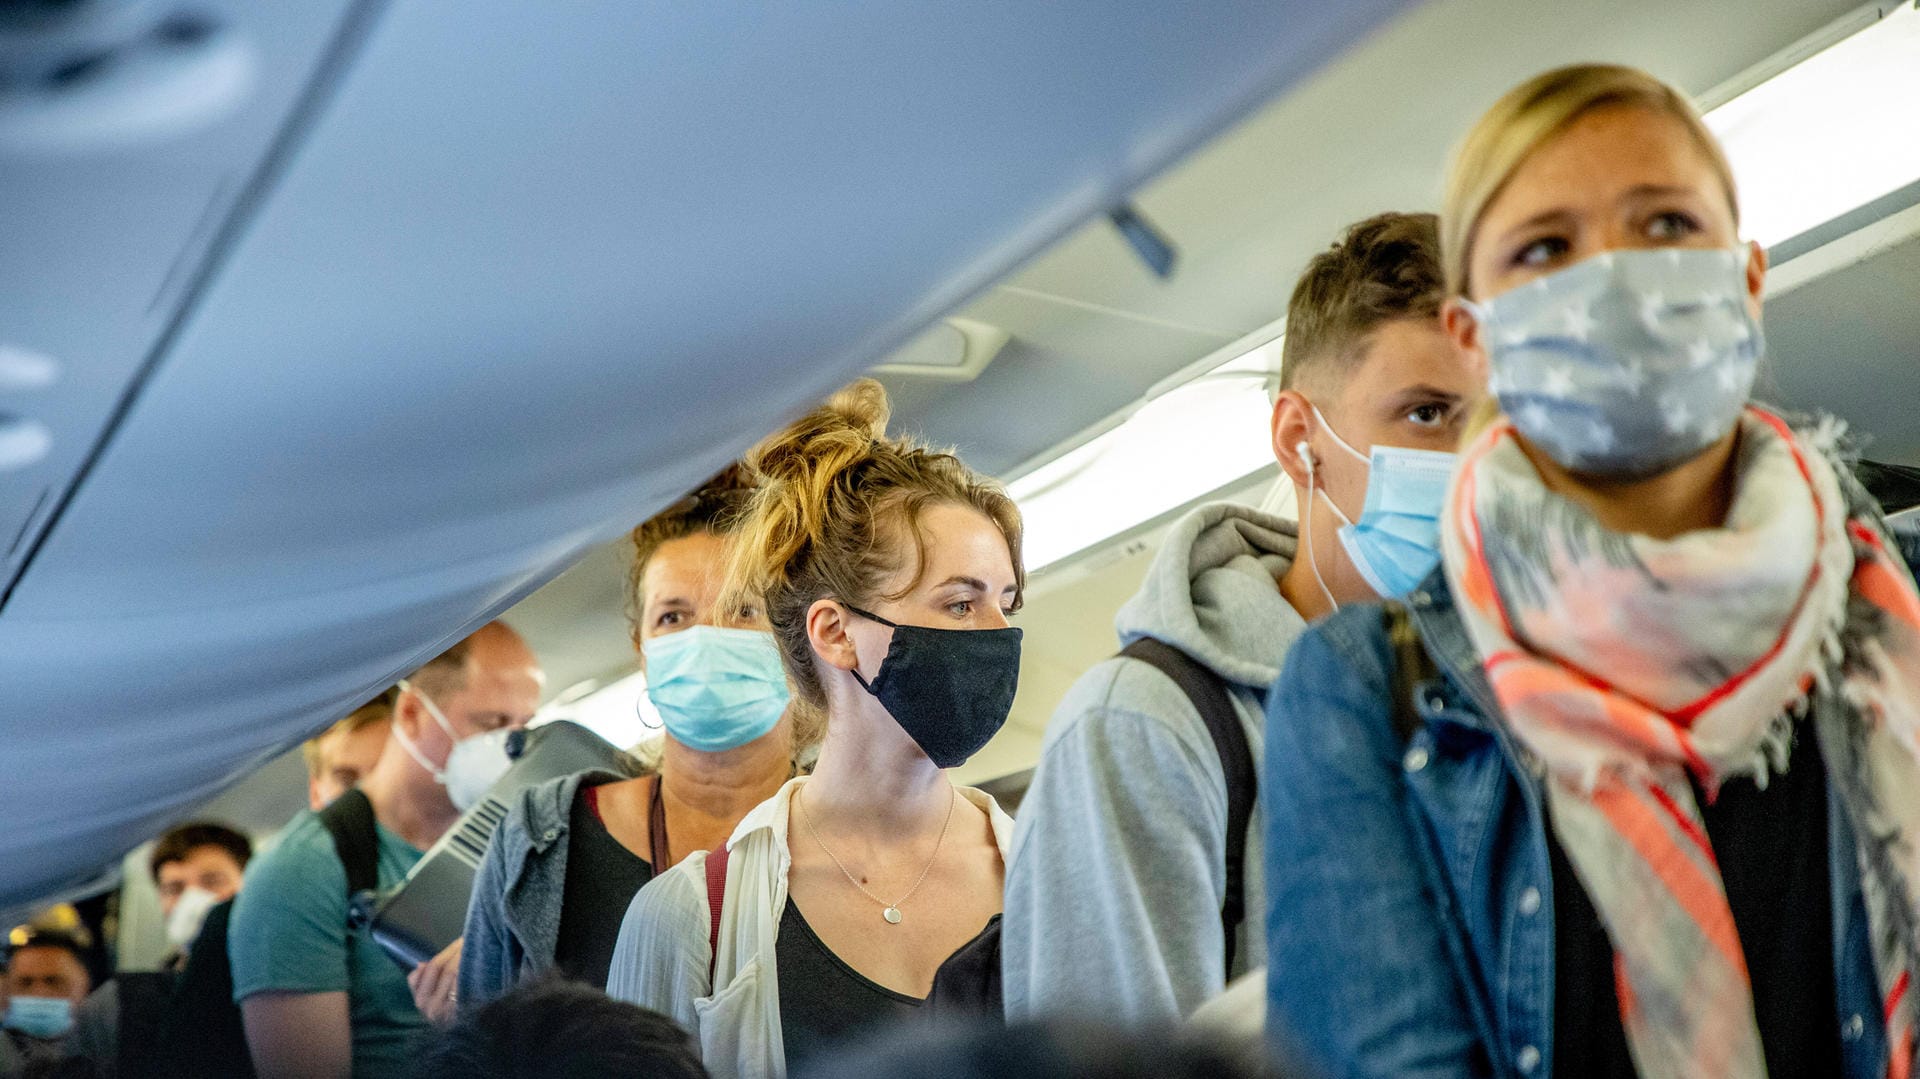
1306, 453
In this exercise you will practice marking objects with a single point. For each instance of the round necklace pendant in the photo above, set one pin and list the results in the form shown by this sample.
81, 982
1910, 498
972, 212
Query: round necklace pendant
892, 915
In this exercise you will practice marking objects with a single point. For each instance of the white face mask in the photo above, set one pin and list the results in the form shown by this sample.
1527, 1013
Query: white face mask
473, 764
189, 914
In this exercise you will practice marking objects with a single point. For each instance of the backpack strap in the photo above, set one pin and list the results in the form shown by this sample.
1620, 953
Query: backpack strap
716, 895
1208, 694
1411, 666
203, 1033
350, 821
145, 998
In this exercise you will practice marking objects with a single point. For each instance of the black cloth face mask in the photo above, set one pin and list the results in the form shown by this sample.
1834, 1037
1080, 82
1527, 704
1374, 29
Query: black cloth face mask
949, 689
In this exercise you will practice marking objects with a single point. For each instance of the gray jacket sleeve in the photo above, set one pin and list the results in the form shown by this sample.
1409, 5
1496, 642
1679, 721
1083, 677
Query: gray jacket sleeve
95, 1036
490, 959
1118, 870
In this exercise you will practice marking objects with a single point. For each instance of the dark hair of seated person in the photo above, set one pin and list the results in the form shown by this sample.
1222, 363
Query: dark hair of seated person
1057, 1049
554, 1026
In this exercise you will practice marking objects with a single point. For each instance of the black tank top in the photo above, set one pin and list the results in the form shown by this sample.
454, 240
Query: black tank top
1771, 846
602, 878
824, 1002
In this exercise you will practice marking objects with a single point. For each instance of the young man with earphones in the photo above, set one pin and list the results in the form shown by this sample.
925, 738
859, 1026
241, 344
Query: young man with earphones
316, 998
1133, 889
1373, 399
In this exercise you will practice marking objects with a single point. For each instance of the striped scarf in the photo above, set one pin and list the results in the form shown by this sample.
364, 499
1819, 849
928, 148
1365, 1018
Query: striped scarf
1626, 665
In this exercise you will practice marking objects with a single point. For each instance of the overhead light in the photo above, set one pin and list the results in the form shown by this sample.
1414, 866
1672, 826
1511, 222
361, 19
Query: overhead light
620, 712
1204, 433
1830, 134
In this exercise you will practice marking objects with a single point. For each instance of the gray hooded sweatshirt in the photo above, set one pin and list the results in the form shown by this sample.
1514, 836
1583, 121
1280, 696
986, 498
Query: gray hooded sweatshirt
1118, 867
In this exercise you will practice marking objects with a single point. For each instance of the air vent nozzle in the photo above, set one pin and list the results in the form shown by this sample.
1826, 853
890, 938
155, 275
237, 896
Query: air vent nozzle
114, 75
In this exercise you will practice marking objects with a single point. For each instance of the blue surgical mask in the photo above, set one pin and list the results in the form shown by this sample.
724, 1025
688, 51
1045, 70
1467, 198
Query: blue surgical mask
1396, 542
717, 689
40, 1017
1629, 363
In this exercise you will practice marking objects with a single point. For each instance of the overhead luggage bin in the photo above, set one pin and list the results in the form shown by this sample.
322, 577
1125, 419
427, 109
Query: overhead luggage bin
487, 283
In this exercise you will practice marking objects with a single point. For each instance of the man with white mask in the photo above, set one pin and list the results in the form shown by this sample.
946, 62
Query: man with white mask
319, 1000
195, 867
1134, 891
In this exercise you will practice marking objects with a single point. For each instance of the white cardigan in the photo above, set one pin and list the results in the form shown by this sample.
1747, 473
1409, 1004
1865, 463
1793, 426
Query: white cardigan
662, 956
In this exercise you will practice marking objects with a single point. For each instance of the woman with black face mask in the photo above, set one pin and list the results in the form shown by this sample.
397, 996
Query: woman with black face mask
870, 892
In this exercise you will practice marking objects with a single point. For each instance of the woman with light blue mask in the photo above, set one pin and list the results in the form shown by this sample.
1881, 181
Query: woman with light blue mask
1629, 789
568, 860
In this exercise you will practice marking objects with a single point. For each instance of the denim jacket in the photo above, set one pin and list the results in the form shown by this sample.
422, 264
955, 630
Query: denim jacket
513, 919
1410, 920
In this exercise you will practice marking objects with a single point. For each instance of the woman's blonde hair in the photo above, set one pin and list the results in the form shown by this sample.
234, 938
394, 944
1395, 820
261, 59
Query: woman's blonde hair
837, 509
1528, 116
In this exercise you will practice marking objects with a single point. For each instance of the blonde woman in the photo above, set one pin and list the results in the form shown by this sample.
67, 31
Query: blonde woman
1632, 789
870, 892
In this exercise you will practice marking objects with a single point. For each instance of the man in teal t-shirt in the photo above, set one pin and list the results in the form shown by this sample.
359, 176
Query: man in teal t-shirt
318, 999
290, 936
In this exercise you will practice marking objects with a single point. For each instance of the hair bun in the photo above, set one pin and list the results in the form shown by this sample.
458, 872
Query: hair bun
833, 436
863, 406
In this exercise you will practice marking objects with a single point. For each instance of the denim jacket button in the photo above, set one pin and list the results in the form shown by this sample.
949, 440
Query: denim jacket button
551, 834
1415, 759
1530, 901
1527, 1060
1853, 1028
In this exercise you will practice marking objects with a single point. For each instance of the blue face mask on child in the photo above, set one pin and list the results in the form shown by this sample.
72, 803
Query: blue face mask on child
40, 1017
717, 689
1396, 542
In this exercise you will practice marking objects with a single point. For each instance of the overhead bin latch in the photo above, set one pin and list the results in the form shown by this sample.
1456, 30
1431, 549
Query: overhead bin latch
1148, 242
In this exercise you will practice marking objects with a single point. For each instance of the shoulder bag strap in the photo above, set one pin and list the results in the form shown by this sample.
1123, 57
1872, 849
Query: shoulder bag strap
716, 895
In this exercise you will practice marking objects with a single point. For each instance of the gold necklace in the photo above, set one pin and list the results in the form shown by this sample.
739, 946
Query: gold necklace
890, 911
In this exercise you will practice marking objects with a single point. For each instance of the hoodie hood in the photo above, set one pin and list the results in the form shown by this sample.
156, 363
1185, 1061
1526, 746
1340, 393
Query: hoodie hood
1213, 592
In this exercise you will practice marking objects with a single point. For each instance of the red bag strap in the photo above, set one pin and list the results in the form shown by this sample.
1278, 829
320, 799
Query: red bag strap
716, 895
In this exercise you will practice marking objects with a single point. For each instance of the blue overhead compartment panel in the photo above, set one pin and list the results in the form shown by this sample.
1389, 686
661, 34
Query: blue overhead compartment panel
525, 273
129, 133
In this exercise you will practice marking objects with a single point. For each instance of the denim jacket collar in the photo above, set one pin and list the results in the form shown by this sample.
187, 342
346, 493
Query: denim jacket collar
1444, 634
537, 866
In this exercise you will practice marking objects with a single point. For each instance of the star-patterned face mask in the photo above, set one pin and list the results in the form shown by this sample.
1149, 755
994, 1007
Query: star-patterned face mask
1627, 364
